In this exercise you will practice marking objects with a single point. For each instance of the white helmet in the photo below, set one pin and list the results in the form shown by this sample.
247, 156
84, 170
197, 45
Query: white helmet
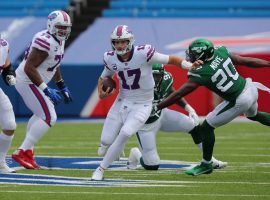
121, 32
59, 24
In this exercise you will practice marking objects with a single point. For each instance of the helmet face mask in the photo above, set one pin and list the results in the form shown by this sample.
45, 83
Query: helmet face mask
200, 49
120, 34
59, 24
158, 74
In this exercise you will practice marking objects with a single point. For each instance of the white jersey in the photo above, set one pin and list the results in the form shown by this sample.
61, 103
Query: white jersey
44, 42
135, 75
4, 49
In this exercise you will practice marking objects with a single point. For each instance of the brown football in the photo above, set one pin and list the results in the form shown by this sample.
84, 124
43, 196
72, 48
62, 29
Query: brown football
108, 82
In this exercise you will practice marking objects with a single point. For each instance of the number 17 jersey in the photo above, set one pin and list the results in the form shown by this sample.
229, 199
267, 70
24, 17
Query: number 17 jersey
45, 42
219, 75
135, 77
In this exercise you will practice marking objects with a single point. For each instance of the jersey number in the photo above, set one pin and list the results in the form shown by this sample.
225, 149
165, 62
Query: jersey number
133, 72
223, 85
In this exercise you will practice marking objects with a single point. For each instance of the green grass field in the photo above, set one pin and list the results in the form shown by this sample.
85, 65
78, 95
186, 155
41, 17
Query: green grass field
245, 146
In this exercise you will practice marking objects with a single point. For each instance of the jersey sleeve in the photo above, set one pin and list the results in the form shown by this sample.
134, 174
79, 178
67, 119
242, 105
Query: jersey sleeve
41, 42
107, 71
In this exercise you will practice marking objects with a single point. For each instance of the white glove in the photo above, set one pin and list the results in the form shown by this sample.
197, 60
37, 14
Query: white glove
11, 80
192, 115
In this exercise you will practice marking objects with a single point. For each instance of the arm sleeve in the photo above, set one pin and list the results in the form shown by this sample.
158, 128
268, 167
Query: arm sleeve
159, 58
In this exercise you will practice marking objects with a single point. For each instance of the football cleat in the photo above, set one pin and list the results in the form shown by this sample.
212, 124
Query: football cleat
134, 158
203, 168
4, 169
97, 174
218, 164
25, 158
30, 154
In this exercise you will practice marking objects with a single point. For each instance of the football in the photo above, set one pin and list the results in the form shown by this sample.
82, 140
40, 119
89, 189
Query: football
108, 82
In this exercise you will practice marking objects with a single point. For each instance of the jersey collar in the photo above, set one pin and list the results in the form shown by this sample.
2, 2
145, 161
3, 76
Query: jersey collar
129, 58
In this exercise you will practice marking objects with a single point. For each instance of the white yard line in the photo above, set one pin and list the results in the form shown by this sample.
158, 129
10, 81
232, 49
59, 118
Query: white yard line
134, 193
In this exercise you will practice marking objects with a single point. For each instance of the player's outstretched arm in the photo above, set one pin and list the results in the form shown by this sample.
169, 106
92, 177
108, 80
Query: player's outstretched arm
185, 89
249, 61
178, 61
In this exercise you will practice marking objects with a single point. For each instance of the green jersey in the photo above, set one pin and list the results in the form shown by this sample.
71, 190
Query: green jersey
219, 75
159, 95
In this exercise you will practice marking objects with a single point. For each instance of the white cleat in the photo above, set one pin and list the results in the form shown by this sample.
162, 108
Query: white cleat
97, 174
4, 169
134, 158
218, 164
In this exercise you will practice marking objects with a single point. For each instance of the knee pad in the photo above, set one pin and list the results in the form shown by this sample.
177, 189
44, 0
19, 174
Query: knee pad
150, 158
102, 149
148, 167
53, 119
9, 124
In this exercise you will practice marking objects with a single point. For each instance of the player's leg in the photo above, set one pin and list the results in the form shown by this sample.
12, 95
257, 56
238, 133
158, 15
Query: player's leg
222, 114
8, 124
147, 155
253, 114
176, 121
134, 117
44, 117
111, 128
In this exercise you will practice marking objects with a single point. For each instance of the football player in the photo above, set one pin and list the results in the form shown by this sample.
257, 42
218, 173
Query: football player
132, 107
219, 75
7, 118
40, 64
164, 120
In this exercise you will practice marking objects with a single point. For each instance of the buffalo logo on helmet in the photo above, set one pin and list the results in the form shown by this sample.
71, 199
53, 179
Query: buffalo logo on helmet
52, 16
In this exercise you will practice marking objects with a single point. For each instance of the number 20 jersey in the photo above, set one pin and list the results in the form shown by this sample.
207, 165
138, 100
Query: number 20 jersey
55, 49
219, 75
135, 77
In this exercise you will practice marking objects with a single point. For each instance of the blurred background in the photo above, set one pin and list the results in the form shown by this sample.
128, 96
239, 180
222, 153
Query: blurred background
243, 26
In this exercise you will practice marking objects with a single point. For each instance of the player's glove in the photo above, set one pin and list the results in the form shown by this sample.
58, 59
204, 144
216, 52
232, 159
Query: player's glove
64, 91
9, 75
192, 115
53, 94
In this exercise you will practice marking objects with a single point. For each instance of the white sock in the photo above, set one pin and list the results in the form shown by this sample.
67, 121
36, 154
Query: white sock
30, 122
114, 150
5, 142
36, 131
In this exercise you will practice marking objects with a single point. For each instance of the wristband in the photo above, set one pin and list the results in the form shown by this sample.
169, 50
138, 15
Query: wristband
185, 64
42, 86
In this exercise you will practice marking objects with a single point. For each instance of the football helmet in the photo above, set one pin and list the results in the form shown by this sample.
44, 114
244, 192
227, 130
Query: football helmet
122, 33
158, 74
59, 24
200, 49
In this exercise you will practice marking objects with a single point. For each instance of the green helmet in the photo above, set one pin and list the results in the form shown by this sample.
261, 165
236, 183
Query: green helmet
158, 73
200, 49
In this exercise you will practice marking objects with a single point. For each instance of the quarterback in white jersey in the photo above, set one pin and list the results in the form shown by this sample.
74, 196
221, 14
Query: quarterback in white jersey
7, 118
42, 63
132, 107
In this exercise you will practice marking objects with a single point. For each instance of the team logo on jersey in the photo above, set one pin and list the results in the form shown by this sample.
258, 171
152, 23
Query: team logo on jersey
114, 67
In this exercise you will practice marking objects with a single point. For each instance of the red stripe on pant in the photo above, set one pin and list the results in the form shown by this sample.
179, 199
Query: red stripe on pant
42, 103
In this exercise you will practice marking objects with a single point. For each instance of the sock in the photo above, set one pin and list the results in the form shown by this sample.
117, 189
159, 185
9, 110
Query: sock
30, 122
114, 150
196, 134
5, 142
36, 131
208, 137
262, 117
